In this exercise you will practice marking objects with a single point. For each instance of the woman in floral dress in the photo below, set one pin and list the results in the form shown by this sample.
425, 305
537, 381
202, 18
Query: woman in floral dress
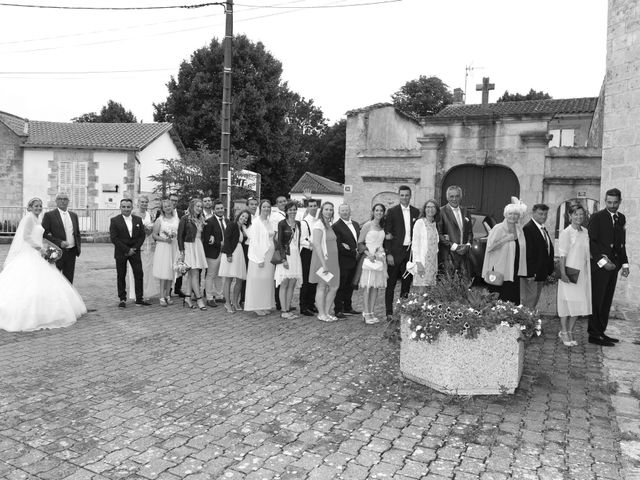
165, 233
424, 246
370, 242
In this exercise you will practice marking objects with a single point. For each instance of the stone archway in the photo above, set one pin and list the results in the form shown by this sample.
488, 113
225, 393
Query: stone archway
486, 188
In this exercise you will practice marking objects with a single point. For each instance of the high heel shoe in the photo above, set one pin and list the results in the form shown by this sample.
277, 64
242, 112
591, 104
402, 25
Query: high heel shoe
163, 302
186, 302
229, 308
564, 337
169, 301
201, 305
571, 340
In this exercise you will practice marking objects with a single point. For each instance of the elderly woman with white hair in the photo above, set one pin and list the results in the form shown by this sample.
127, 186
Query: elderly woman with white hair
506, 257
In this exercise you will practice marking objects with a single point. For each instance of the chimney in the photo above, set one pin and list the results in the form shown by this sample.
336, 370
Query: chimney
25, 128
458, 96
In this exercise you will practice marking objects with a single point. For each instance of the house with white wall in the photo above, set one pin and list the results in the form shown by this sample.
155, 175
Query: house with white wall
98, 164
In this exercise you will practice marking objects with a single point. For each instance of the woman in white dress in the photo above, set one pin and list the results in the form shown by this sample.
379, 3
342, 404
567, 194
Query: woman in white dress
150, 285
290, 271
370, 242
232, 264
35, 294
259, 295
574, 299
192, 252
165, 233
424, 246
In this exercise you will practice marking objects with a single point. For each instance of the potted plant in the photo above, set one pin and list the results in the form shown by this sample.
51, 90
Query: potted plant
463, 341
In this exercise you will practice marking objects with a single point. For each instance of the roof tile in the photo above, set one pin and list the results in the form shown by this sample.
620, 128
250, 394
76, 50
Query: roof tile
317, 184
527, 107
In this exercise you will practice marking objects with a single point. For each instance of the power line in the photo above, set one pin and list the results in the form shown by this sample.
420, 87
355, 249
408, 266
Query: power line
324, 6
60, 7
88, 72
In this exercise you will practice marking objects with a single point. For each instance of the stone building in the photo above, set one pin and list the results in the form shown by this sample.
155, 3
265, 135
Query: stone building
542, 151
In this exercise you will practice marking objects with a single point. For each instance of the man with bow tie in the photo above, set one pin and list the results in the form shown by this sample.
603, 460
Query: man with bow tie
398, 228
213, 237
456, 234
347, 232
539, 256
607, 233
61, 228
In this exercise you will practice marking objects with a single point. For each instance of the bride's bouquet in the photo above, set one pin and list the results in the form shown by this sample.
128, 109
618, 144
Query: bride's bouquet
169, 232
181, 268
52, 254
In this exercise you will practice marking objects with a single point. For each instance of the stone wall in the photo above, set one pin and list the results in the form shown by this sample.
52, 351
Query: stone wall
621, 135
11, 162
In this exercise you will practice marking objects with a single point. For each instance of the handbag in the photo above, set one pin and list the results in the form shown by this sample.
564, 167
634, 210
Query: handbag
411, 268
276, 259
374, 266
494, 278
572, 273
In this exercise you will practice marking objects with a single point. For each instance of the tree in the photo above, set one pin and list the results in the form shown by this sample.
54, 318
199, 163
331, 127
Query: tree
518, 97
196, 174
423, 97
271, 126
327, 155
112, 112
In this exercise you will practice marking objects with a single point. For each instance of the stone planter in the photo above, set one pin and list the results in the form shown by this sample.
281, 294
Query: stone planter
488, 365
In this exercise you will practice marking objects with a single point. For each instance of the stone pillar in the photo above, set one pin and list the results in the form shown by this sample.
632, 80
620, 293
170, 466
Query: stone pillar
429, 148
621, 137
531, 168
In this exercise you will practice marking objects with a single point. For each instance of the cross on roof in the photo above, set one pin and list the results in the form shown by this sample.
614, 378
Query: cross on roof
485, 86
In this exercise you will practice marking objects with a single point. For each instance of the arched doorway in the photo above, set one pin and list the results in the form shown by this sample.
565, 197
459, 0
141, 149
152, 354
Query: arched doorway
486, 188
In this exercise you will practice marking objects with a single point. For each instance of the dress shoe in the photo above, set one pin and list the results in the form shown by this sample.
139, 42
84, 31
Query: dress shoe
340, 315
352, 312
122, 304
610, 339
221, 300
389, 318
307, 313
313, 309
212, 303
601, 341
142, 303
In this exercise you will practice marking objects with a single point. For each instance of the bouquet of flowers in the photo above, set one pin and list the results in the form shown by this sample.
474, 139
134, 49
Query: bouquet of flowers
52, 254
181, 268
169, 232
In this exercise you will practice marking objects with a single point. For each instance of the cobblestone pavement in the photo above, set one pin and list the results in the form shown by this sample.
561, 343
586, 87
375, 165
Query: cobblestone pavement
169, 393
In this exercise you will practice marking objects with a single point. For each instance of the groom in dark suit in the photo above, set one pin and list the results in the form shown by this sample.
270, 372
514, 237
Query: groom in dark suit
127, 235
539, 256
347, 232
62, 229
398, 228
608, 257
456, 233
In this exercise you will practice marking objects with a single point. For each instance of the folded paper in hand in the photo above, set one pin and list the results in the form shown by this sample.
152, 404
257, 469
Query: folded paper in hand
324, 276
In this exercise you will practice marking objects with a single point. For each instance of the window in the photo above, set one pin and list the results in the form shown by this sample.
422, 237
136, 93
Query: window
72, 178
562, 137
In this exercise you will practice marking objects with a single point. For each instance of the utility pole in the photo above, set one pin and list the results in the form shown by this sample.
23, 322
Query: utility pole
225, 140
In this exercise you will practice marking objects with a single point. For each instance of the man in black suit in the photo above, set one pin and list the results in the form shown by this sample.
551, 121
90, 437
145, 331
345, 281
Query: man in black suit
127, 235
398, 227
456, 234
608, 257
347, 232
213, 238
539, 256
61, 228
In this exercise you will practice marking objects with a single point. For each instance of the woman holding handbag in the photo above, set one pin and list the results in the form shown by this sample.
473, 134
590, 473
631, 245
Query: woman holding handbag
424, 246
574, 287
192, 252
290, 270
374, 265
233, 263
325, 269
506, 255
259, 295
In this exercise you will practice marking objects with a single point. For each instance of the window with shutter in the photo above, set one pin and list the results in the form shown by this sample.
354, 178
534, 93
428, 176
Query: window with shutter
72, 179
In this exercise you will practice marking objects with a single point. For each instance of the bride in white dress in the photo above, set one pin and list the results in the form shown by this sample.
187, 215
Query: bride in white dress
35, 295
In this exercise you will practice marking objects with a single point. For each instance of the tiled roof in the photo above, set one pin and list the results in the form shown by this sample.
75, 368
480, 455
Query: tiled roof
376, 106
16, 124
528, 107
317, 184
108, 136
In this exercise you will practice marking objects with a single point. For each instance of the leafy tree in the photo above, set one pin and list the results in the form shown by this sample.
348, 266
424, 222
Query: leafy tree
518, 97
327, 156
423, 97
272, 127
196, 174
112, 112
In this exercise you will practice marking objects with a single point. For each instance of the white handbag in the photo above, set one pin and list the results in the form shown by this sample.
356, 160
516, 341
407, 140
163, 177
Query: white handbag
412, 267
374, 266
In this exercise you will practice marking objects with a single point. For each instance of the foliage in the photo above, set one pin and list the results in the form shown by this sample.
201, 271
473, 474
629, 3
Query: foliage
326, 157
423, 97
275, 126
451, 306
519, 97
196, 174
112, 112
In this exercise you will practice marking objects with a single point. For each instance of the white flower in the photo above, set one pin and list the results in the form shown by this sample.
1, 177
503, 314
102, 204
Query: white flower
522, 327
422, 335
413, 335
419, 327
504, 324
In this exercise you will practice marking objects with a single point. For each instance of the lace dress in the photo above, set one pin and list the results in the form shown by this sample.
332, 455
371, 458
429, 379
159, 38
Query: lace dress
237, 267
166, 254
35, 294
424, 247
293, 260
374, 278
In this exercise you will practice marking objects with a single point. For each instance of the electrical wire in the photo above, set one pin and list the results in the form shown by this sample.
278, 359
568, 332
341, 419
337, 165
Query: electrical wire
324, 6
60, 7
88, 72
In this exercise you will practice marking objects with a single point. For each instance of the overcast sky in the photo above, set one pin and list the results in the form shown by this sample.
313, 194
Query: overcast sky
342, 58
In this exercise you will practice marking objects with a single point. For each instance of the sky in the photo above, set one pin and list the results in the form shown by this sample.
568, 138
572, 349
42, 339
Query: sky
344, 57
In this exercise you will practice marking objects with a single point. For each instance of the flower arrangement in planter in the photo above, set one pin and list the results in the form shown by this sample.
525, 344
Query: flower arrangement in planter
463, 341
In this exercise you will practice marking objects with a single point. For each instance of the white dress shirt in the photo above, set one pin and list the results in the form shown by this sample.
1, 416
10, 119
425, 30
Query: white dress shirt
352, 229
129, 223
68, 227
406, 214
545, 235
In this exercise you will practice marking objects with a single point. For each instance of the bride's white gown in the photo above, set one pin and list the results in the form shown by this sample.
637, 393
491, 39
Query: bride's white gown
34, 294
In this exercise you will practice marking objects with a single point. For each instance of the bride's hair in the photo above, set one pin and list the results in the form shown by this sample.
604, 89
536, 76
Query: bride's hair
32, 202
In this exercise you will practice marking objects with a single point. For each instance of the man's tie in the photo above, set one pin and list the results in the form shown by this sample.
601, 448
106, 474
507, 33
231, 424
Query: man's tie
547, 239
616, 219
